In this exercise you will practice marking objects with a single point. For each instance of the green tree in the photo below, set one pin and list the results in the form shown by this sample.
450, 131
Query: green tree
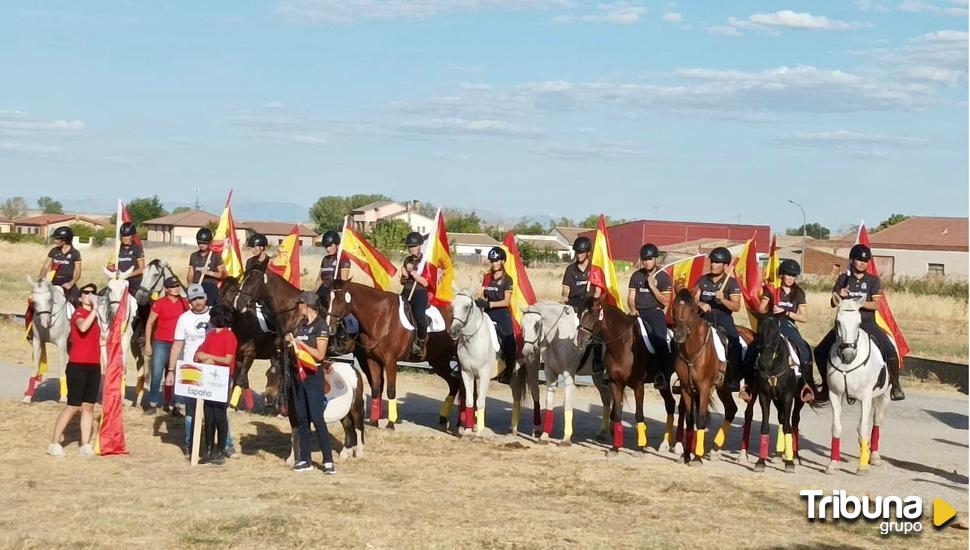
529, 227
591, 221
813, 230
13, 208
893, 220
145, 208
329, 211
456, 222
82, 232
180, 209
49, 205
388, 235
563, 222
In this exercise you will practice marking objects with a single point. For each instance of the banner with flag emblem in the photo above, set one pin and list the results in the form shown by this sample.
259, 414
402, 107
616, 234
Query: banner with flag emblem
523, 294
355, 247
436, 265
884, 315
772, 275
225, 242
286, 262
111, 430
602, 259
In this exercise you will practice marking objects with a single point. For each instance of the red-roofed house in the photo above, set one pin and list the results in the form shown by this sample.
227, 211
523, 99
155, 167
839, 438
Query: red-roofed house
923, 245
42, 224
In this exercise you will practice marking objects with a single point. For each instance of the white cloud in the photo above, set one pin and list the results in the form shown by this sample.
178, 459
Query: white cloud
22, 133
857, 144
618, 12
595, 150
467, 127
346, 11
784, 19
281, 128
937, 57
673, 17
954, 8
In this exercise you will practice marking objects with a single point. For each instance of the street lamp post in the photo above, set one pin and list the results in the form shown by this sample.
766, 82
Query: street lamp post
804, 229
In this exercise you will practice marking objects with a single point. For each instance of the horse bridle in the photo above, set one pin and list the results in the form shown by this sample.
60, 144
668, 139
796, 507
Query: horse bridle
693, 358
50, 312
593, 336
845, 372
541, 336
463, 336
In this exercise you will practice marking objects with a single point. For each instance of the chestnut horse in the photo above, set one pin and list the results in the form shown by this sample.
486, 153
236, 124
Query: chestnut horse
628, 363
383, 341
253, 343
700, 373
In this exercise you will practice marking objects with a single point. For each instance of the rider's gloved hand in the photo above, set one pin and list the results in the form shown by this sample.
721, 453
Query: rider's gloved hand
482, 303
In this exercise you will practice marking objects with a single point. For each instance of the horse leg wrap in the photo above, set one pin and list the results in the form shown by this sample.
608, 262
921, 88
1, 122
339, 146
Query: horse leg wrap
248, 399
480, 420
669, 430
375, 408
864, 452
699, 447
236, 393
567, 429
795, 441
875, 439
32, 385
836, 449
392, 411
789, 447
641, 434
763, 451
140, 386
618, 435
536, 414
780, 441
64, 386
722, 434
547, 422
745, 435
469, 418
445, 410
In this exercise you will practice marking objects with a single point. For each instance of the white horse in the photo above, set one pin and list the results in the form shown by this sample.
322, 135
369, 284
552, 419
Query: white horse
108, 307
477, 355
854, 369
552, 327
51, 324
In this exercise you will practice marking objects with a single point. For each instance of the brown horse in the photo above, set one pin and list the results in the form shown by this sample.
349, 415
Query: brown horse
628, 363
253, 343
383, 341
700, 373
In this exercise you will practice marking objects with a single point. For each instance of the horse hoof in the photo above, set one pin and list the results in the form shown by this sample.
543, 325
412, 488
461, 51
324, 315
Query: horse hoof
696, 462
543, 440
759, 466
863, 471
443, 423
344, 454
373, 423
62, 400
743, 456
643, 449
389, 426
359, 451
832, 468
875, 459
290, 461
612, 453
565, 443
789, 467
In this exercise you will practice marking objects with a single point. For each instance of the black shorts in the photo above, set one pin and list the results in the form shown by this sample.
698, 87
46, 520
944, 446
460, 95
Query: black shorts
83, 383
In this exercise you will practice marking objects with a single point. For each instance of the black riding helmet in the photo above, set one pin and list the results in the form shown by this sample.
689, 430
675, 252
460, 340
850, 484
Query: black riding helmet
649, 251
789, 267
331, 238
720, 255
203, 236
258, 239
63, 233
496, 253
860, 252
128, 229
414, 239
582, 244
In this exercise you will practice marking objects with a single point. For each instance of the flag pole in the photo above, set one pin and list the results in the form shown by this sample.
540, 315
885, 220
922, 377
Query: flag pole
336, 270
424, 253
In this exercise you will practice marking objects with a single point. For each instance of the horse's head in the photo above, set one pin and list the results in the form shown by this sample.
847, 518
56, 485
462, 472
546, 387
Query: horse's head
252, 289
462, 307
684, 312
340, 299
114, 291
772, 343
531, 324
42, 296
152, 282
847, 323
228, 291
590, 322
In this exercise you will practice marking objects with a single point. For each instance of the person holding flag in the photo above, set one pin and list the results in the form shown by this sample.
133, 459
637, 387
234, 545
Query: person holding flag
648, 298
258, 243
206, 267
718, 295
415, 290
496, 297
577, 287
331, 268
64, 261
858, 284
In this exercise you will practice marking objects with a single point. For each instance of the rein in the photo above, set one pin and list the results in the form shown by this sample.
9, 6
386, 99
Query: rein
463, 336
693, 358
845, 372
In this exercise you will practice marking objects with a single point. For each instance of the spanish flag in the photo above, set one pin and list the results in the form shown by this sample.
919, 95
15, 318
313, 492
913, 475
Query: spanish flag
368, 259
523, 295
225, 242
304, 361
436, 264
286, 262
683, 273
603, 260
749, 279
111, 431
884, 315
772, 275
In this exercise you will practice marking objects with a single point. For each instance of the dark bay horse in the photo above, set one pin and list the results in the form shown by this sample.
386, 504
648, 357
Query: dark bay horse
777, 383
700, 373
253, 342
383, 341
628, 363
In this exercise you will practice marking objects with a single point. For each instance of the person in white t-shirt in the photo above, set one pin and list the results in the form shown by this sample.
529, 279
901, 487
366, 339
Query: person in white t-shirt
190, 331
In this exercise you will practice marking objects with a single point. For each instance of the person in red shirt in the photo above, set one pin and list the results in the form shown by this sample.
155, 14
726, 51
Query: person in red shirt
84, 370
159, 335
219, 348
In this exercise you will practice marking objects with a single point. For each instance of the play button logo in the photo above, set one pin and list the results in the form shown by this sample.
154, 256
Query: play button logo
942, 512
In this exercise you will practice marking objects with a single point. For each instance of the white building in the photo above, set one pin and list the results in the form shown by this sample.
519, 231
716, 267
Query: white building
471, 244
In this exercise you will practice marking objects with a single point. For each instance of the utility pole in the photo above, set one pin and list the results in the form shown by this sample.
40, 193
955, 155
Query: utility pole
804, 229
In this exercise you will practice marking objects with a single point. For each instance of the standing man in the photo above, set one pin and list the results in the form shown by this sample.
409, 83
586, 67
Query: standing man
648, 298
190, 332
205, 266
130, 256
65, 261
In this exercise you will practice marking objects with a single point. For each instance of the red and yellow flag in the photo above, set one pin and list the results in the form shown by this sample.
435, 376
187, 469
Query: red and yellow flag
436, 265
225, 242
111, 431
523, 295
602, 258
304, 360
772, 276
746, 271
683, 273
884, 315
286, 262
368, 259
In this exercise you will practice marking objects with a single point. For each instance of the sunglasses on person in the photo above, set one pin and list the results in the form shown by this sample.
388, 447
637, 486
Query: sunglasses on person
87, 292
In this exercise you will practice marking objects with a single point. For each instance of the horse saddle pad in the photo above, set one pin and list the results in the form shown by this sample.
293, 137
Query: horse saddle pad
493, 333
261, 319
720, 346
436, 323
793, 357
646, 340
343, 382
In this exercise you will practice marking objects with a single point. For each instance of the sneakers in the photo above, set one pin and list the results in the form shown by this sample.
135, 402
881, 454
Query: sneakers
328, 469
86, 450
216, 458
303, 466
230, 452
55, 449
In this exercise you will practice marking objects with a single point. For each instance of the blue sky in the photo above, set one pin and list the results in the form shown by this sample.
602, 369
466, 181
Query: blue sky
678, 110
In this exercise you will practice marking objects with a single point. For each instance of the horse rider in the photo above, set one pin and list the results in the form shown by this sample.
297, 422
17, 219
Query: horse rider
791, 308
415, 290
259, 260
130, 256
718, 295
64, 261
858, 284
329, 267
496, 300
206, 267
576, 289
647, 298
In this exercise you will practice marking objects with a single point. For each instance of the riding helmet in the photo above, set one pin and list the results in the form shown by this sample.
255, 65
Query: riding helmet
720, 255
496, 253
203, 236
63, 233
257, 239
128, 229
789, 267
649, 251
582, 244
860, 252
331, 238
414, 239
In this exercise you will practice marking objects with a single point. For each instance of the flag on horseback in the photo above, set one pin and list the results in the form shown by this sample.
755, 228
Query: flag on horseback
368, 259
884, 315
683, 273
436, 265
523, 295
111, 430
225, 242
286, 262
605, 276
772, 275
749, 279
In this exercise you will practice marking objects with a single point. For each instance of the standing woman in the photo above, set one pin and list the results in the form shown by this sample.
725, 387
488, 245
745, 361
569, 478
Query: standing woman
219, 348
159, 335
205, 267
309, 401
65, 262
83, 373
496, 299
415, 290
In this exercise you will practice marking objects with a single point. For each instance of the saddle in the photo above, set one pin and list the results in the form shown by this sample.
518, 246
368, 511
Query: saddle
646, 338
340, 394
721, 344
436, 323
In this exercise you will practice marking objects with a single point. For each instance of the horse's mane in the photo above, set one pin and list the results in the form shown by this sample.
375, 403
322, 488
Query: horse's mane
157, 263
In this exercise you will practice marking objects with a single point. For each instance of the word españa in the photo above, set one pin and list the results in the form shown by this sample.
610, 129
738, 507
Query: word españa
198, 392
839, 505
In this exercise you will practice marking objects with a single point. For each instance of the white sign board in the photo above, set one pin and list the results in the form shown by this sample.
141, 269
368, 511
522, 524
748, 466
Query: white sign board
202, 381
